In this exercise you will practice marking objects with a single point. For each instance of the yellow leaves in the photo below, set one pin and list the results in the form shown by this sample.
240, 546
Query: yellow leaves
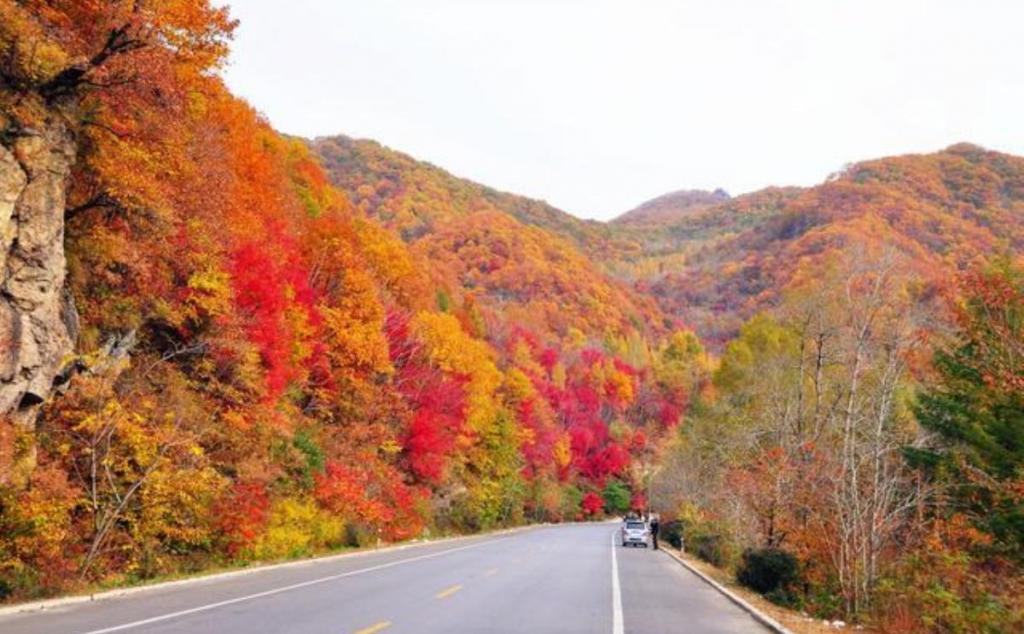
354, 325
114, 420
453, 351
37, 527
450, 348
298, 527
619, 386
522, 355
575, 339
683, 345
212, 291
558, 375
391, 447
391, 263
518, 386
29, 56
562, 451
303, 332
174, 503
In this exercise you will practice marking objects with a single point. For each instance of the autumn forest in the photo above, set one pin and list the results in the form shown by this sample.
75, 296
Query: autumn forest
222, 345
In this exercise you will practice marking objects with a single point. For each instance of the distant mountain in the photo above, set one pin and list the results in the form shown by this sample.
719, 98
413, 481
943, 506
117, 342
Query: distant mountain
671, 206
409, 195
536, 264
715, 266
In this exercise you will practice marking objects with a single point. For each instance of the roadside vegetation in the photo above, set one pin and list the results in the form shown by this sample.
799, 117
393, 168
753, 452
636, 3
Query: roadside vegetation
857, 462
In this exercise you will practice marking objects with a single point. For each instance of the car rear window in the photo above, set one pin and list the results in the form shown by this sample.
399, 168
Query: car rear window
634, 524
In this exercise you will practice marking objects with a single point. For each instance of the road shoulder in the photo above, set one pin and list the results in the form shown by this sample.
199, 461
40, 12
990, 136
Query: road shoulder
758, 614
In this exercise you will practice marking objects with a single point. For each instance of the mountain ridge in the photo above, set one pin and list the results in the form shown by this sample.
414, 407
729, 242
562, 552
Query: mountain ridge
701, 254
671, 205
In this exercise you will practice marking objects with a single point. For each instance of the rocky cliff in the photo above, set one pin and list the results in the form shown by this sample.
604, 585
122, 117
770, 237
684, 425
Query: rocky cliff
37, 318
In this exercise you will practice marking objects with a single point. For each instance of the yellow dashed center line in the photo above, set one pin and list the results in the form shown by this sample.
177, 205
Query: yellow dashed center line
491, 572
447, 592
376, 627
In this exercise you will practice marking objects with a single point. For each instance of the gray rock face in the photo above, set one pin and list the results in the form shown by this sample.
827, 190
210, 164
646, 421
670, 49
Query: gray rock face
35, 336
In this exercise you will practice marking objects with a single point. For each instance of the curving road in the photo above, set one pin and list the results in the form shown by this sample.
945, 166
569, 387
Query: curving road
566, 579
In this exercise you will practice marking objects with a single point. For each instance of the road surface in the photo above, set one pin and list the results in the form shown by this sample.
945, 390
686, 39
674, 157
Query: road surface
563, 579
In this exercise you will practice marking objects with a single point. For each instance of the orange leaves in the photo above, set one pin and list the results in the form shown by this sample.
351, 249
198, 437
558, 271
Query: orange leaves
373, 494
343, 489
515, 255
37, 530
192, 32
992, 320
941, 212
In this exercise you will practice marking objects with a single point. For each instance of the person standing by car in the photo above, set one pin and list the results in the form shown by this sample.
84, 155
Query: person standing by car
654, 530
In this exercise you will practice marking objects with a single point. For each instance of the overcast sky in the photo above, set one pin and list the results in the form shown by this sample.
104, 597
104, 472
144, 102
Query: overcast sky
597, 106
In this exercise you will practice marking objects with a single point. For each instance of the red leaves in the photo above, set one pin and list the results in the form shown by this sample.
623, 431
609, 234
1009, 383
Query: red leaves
437, 399
439, 418
639, 441
592, 503
276, 305
638, 502
668, 414
343, 490
373, 494
597, 390
241, 515
548, 359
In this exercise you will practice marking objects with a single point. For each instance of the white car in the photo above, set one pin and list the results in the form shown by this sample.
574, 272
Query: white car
635, 533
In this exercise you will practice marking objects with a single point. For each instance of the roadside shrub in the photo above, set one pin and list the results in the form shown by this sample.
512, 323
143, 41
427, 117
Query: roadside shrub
709, 547
572, 502
672, 532
708, 539
360, 535
772, 572
592, 504
35, 526
298, 528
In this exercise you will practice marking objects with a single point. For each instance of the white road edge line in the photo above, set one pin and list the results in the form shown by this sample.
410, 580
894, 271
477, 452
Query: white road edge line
296, 586
616, 593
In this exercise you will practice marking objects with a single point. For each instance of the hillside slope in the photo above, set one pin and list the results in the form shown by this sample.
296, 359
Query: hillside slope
537, 264
211, 356
942, 211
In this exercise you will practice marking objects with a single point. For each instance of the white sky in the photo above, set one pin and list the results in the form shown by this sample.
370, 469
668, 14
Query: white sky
596, 106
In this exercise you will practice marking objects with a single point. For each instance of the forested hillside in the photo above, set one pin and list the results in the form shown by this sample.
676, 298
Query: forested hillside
538, 264
219, 345
212, 356
944, 212
861, 450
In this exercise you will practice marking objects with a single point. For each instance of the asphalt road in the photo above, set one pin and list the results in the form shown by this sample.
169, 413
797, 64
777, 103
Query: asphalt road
566, 579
